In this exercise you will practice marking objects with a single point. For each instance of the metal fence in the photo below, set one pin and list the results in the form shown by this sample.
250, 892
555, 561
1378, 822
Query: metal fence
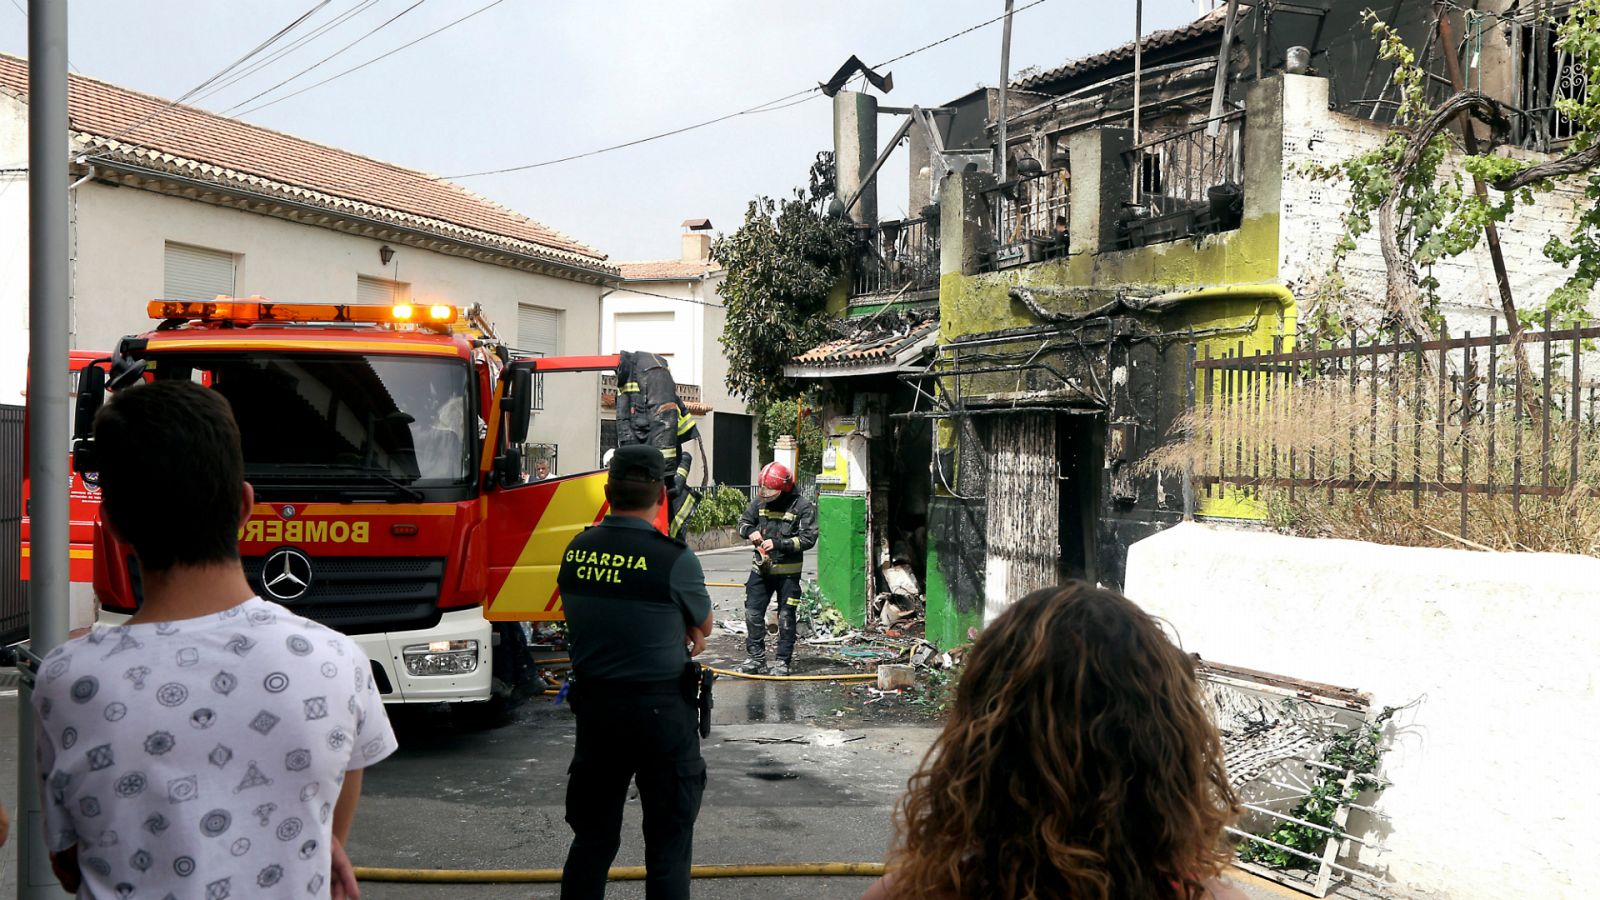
898, 256
1027, 220
1487, 418
1187, 182
13, 590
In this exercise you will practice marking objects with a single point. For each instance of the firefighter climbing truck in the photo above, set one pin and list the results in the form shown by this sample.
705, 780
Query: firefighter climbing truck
385, 448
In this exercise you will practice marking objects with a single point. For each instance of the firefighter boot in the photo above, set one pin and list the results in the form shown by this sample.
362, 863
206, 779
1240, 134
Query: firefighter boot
755, 666
781, 669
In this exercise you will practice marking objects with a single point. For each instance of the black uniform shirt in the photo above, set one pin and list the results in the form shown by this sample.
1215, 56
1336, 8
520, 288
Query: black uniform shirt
630, 593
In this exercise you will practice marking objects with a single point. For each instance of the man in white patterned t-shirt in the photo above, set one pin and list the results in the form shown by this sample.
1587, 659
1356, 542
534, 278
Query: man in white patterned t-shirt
212, 747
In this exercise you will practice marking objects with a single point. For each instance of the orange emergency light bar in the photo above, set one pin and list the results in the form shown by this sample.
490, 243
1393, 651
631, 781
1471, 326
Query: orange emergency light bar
228, 310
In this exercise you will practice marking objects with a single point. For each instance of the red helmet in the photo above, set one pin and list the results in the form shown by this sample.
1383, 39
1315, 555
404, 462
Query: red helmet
776, 477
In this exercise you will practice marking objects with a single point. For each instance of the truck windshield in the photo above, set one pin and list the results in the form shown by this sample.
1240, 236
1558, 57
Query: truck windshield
385, 423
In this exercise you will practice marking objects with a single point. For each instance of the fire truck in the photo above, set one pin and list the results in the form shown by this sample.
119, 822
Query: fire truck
385, 448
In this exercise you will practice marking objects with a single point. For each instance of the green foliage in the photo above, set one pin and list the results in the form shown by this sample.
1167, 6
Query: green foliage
1359, 751
720, 507
777, 417
1438, 215
782, 264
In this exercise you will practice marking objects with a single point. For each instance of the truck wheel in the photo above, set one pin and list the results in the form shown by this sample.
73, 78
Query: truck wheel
513, 680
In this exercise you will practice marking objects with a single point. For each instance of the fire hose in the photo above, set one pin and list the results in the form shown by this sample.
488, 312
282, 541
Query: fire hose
619, 873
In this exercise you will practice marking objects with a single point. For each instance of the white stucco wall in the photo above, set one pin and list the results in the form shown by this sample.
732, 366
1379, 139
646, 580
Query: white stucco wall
121, 236
693, 340
1313, 214
1494, 793
13, 249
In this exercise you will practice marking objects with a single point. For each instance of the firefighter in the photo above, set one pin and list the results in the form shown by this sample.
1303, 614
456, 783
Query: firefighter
649, 412
781, 525
637, 609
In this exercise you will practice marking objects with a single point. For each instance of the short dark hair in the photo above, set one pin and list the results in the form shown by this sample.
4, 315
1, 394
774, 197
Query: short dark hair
171, 473
632, 496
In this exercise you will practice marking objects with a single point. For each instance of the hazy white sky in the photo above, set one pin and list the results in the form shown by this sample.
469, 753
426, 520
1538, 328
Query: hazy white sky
531, 80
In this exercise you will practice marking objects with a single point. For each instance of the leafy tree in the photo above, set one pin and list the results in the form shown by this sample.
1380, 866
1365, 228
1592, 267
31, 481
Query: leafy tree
1426, 210
796, 417
782, 264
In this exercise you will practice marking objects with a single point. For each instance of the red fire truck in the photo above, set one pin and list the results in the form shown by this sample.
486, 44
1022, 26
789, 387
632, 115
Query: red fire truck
384, 445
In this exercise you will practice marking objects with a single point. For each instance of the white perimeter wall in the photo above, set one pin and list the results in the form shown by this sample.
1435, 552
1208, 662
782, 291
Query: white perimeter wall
1496, 789
13, 251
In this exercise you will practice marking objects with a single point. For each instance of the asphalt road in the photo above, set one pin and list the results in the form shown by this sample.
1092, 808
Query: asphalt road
797, 772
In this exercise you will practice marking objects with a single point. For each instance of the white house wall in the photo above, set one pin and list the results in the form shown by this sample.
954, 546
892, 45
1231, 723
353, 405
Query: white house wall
1494, 791
1313, 212
13, 249
121, 235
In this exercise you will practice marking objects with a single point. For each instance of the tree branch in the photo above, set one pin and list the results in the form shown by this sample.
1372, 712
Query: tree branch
1570, 164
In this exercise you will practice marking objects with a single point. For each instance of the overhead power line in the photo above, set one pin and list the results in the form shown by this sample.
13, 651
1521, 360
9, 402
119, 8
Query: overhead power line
126, 132
260, 64
369, 62
390, 21
769, 106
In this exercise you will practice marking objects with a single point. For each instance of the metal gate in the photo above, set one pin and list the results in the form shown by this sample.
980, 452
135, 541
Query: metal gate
13, 591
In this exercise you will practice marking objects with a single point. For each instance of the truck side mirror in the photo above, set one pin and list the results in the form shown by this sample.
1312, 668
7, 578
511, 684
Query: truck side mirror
519, 394
91, 396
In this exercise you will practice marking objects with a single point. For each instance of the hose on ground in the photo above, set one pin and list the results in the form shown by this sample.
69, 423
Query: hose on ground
842, 676
619, 873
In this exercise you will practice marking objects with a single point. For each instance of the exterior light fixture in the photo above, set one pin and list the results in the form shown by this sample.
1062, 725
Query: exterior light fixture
385, 253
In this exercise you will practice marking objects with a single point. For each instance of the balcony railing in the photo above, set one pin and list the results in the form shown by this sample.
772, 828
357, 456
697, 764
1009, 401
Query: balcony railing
1186, 183
1027, 220
898, 258
688, 393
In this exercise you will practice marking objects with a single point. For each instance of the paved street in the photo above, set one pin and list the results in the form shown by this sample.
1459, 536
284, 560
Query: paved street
493, 798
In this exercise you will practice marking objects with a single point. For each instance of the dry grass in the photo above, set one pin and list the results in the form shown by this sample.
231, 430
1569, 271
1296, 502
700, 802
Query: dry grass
1348, 447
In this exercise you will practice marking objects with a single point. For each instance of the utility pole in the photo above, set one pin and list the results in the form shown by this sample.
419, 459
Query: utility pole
1005, 81
48, 146
1138, 66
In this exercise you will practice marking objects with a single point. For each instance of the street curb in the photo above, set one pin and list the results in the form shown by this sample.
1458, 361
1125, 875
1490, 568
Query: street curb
8, 678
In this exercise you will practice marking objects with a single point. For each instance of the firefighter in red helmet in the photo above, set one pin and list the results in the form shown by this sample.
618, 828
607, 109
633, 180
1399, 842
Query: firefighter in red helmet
781, 524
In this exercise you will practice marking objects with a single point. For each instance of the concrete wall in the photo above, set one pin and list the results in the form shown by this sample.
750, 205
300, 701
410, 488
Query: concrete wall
1313, 220
842, 552
1494, 791
121, 235
13, 249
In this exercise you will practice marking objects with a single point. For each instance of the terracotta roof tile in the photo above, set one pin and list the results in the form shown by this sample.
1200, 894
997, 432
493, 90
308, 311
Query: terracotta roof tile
200, 143
664, 270
1210, 23
870, 341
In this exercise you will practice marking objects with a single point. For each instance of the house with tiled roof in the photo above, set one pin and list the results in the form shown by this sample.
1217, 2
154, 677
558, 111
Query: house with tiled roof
672, 307
172, 201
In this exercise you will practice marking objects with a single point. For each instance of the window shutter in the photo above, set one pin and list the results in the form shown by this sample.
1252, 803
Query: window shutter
377, 291
197, 274
538, 330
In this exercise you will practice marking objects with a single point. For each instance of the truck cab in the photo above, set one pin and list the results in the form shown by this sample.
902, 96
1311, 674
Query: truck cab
384, 448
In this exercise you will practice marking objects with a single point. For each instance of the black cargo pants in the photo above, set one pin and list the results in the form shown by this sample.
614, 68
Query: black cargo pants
758, 591
627, 733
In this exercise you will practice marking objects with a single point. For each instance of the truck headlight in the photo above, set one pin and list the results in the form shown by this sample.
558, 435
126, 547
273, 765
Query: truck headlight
442, 658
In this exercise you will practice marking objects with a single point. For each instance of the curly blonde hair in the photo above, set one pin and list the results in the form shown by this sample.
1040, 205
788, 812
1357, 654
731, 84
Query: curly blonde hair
1079, 762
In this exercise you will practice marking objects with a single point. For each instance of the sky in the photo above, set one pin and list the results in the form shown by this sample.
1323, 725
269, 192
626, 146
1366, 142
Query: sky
527, 81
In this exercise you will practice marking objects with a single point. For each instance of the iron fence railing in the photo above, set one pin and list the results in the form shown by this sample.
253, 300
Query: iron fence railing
1027, 220
13, 590
1186, 182
897, 256
1497, 422
688, 393
1544, 74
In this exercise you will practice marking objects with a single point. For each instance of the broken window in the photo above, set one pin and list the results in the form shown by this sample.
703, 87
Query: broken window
1547, 75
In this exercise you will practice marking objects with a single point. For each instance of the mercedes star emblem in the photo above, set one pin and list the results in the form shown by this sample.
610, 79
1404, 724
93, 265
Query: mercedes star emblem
286, 574
288, 512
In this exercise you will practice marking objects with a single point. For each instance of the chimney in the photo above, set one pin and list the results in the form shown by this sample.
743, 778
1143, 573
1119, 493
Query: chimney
697, 240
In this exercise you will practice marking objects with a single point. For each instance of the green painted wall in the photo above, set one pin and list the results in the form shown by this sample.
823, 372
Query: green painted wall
842, 552
947, 626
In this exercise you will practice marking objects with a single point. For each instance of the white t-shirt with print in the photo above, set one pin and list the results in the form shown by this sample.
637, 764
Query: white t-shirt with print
202, 758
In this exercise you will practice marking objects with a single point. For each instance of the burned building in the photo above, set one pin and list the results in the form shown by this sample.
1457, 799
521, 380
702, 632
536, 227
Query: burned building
1008, 355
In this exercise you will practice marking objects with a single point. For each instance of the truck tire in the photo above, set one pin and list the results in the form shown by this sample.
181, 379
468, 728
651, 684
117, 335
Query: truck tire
513, 679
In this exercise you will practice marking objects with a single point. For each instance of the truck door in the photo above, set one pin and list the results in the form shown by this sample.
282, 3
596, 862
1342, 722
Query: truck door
530, 523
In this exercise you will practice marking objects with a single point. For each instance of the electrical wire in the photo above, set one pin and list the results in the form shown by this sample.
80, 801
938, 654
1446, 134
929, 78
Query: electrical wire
343, 17
369, 62
623, 286
25, 18
386, 23
221, 73
769, 106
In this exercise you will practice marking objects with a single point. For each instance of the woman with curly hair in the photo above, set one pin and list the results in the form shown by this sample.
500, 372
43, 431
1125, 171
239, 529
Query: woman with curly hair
1078, 762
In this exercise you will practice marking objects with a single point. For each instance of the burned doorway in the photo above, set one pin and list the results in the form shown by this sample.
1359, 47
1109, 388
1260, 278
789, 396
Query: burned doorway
1043, 492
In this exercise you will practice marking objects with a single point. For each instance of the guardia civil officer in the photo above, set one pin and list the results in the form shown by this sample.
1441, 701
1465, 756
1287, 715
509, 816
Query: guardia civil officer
781, 524
637, 609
